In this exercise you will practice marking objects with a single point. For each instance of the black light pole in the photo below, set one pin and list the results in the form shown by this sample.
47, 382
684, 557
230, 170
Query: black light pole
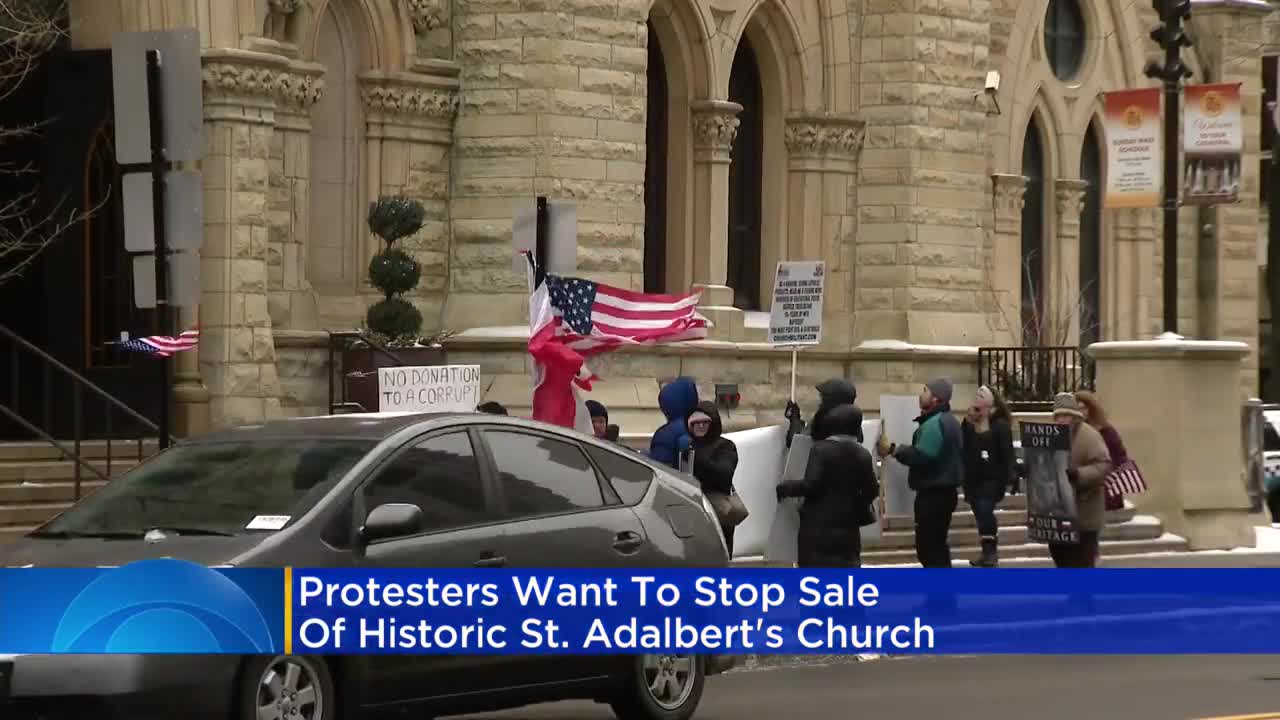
159, 166
1170, 36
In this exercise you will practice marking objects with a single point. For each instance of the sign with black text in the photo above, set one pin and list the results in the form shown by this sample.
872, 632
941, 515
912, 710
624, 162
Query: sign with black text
1051, 501
796, 315
436, 388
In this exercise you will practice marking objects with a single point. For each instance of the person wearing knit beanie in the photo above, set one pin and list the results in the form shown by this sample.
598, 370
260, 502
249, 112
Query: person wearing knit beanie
1088, 464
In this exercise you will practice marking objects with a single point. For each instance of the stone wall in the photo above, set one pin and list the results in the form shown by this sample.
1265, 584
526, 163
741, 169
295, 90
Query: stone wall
552, 104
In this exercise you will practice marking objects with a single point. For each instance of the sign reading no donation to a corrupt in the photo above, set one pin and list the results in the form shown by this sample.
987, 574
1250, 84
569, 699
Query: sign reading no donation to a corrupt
440, 388
796, 316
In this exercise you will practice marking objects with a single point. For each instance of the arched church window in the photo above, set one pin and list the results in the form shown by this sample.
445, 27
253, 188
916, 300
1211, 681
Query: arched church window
1033, 243
746, 175
1091, 240
655, 175
1064, 37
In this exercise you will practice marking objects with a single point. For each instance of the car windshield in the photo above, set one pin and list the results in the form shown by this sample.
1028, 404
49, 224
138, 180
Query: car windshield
223, 488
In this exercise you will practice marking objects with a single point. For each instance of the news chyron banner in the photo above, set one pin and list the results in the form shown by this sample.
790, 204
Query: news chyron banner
175, 607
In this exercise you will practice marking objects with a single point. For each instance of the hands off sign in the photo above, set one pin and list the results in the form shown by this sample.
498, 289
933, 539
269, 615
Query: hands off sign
796, 316
439, 388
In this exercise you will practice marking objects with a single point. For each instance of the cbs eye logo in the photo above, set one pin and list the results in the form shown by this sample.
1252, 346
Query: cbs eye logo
163, 606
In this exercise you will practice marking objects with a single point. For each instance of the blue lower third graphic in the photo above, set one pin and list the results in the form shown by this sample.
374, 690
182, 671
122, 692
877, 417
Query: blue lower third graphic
149, 607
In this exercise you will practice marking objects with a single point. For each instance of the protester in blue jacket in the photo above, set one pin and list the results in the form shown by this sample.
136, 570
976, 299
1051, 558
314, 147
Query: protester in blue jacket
676, 400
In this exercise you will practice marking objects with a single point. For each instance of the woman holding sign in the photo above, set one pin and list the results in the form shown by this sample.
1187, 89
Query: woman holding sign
989, 467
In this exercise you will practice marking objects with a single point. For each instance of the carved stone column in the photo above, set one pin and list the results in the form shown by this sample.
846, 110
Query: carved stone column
822, 162
715, 125
237, 348
292, 302
1132, 309
1002, 261
410, 118
1062, 273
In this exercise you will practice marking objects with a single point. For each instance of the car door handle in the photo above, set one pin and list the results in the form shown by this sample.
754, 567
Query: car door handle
627, 542
491, 561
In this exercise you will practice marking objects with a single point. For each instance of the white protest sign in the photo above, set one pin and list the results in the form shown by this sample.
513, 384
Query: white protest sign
437, 388
796, 315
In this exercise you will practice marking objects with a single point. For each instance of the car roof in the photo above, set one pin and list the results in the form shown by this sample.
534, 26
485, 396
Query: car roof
366, 426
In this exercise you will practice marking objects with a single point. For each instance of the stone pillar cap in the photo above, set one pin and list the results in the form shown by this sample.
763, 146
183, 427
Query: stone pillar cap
1169, 345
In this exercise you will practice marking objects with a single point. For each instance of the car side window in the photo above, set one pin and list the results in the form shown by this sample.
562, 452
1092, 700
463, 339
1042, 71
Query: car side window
439, 475
543, 476
629, 478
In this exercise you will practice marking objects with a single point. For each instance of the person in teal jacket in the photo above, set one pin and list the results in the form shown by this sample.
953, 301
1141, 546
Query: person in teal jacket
935, 462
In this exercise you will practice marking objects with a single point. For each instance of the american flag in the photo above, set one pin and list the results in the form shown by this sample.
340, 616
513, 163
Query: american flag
163, 345
571, 319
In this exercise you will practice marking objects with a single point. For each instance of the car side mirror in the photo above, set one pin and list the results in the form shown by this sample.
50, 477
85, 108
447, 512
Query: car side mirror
392, 520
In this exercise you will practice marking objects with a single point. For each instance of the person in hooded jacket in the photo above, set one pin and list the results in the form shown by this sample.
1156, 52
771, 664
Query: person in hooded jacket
715, 457
990, 467
833, 393
676, 400
838, 489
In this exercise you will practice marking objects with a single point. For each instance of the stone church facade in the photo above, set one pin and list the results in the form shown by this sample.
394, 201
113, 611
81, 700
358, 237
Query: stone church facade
702, 141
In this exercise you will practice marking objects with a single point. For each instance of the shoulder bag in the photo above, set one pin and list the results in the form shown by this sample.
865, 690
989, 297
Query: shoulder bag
729, 508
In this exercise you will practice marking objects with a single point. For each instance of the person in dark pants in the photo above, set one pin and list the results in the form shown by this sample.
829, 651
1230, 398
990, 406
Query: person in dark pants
989, 467
935, 466
838, 488
1271, 481
1087, 472
715, 457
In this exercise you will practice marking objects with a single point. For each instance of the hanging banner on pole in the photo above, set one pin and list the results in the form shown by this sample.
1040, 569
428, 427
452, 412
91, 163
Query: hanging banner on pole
1132, 123
1212, 141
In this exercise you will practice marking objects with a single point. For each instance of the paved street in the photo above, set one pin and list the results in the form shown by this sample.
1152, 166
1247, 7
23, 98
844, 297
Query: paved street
990, 688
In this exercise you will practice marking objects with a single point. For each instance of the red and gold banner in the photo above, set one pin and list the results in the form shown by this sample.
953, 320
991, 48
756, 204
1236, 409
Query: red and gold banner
1132, 121
1212, 140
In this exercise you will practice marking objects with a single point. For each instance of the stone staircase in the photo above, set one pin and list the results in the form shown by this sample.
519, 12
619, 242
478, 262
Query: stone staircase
37, 482
1126, 533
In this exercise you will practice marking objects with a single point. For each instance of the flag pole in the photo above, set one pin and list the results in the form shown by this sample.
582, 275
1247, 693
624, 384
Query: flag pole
794, 352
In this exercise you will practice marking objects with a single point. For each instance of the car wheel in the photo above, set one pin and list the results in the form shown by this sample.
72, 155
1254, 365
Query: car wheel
286, 687
661, 687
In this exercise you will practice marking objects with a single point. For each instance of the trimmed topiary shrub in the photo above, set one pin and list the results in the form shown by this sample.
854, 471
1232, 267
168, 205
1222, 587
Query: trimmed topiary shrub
393, 271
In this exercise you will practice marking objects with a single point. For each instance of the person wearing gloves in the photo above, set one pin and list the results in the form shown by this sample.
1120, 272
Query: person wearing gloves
832, 394
935, 465
990, 467
1087, 470
676, 400
838, 489
715, 457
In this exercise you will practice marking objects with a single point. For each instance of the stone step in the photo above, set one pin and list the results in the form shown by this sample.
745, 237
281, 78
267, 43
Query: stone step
18, 471
46, 492
907, 556
37, 451
1142, 527
1005, 517
10, 533
30, 513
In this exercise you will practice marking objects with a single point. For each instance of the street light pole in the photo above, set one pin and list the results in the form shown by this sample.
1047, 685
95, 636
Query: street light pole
1170, 36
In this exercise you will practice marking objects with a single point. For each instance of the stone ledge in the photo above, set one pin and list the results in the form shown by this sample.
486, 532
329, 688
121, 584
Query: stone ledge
1169, 346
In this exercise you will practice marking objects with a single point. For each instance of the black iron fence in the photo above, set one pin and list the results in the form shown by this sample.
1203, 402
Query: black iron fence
32, 407
340, 370
1029, 377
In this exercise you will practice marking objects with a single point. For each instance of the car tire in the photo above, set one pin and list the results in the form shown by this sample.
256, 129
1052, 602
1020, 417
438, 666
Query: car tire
300, 688
661, 687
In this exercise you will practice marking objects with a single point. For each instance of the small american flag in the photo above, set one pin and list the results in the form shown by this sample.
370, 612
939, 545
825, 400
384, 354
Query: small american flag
163, 345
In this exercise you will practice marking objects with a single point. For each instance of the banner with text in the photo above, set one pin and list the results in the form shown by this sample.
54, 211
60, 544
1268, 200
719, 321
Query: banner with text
796, 315
1212, 140
1132, 123
176, 607
1051, 501
432, 388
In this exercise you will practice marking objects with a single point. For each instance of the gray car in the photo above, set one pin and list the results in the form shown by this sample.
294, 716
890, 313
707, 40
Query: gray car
374, 491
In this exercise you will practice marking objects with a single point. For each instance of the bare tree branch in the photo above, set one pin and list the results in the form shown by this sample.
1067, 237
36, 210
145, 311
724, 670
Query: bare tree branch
29, 30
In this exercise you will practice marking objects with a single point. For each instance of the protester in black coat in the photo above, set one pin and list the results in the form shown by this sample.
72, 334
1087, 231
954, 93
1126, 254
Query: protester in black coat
715, 457
838, 488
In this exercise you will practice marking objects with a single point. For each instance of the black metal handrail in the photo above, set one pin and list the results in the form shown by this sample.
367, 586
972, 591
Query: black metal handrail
13, 409
1028, 377
339, 341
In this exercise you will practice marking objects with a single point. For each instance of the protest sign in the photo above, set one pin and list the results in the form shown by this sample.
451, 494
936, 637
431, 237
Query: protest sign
438, 388
1051, 501
898, 412
1132, 120
795, 318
